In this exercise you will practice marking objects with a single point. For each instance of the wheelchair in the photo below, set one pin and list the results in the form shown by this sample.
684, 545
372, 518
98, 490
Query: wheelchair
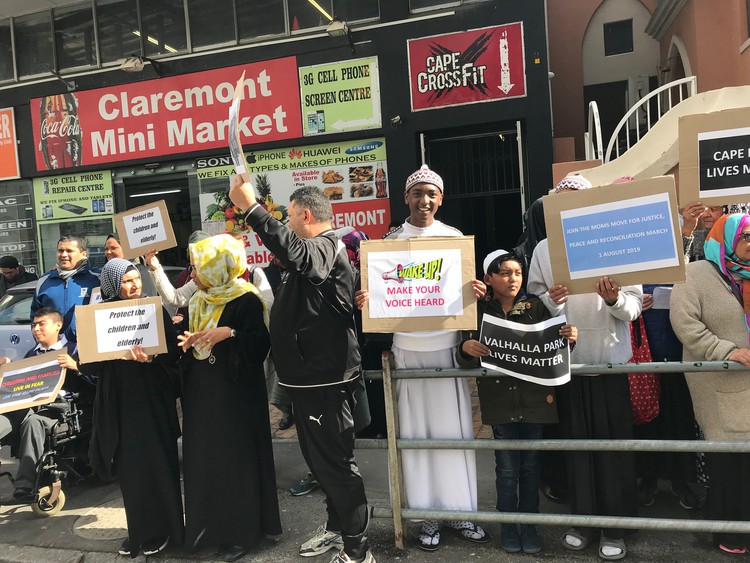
65, 457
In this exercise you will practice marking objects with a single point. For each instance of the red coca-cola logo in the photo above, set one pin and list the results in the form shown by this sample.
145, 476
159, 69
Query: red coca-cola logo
65, 127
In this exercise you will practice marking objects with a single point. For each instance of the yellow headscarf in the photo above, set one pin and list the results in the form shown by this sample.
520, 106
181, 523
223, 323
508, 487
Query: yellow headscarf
218, 263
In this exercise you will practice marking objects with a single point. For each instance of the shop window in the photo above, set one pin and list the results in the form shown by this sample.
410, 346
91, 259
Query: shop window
74, 36
33, 37
163, 27
415, 5
352, 10
119, 32
618, 37
303, 14
6, 51
211, 22
260, 18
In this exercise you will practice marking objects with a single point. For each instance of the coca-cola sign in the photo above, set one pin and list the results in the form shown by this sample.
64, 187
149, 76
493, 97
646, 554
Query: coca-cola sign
161, 117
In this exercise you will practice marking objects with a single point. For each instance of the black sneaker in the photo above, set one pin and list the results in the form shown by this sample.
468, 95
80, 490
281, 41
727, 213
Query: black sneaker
647, 490
152, 547
687, 497
125, 547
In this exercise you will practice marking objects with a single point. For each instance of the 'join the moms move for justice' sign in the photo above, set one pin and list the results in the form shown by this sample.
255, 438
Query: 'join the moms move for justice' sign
628, 231
418, 284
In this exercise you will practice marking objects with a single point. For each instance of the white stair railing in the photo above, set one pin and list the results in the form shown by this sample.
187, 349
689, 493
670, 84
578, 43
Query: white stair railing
593, 136
683, 88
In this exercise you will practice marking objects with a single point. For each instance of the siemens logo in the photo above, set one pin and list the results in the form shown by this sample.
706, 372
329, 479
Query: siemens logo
364, 147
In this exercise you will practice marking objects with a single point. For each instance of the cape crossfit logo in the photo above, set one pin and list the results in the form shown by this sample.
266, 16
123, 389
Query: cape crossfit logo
480, 65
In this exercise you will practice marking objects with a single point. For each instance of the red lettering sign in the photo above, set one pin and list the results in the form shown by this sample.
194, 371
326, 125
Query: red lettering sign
166, 116
481, 65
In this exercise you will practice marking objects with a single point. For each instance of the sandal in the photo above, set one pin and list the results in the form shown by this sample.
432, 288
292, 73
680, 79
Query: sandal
468, 530
584, 535
429, 536
730, 549
613, 543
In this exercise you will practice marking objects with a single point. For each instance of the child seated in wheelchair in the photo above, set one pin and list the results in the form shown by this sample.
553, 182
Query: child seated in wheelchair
34, 424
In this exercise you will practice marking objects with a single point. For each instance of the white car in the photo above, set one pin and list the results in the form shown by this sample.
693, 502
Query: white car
15, 321
15, 317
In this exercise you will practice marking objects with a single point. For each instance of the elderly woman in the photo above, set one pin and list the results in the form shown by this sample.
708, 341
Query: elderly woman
112, 249
230, 484
710, 314
135, 428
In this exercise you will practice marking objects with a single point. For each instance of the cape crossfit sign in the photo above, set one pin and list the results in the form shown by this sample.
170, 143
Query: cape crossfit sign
161, 117
481, 65
535, 353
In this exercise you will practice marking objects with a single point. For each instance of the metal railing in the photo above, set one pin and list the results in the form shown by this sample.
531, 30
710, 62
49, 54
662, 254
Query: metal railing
641, 111
395, 444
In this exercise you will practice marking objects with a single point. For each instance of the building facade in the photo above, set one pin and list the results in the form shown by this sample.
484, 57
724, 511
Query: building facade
348, 96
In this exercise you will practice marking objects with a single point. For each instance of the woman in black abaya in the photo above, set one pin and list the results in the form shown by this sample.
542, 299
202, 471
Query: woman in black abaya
230, 483
135, 428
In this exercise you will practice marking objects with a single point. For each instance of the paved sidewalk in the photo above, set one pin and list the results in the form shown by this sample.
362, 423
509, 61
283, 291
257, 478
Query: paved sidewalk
92, 525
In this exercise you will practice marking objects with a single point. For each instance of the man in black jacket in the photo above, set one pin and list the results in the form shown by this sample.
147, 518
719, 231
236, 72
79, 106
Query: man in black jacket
314, 346
13, 274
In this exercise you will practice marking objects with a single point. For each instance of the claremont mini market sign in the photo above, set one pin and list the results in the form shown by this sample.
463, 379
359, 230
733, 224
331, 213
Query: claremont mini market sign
166, 116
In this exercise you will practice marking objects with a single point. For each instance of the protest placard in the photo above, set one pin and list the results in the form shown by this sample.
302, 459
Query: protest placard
535, 353
627, 231
30, 382
715, 157
144, 228
418, 284
108, 331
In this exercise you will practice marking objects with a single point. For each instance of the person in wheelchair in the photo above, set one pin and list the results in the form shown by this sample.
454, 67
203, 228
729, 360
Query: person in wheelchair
36, 423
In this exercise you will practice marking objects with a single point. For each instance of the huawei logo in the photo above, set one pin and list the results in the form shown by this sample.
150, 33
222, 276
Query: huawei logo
295, 153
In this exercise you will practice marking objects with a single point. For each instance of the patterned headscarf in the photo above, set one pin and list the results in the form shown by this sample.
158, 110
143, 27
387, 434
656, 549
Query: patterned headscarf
218, 263
111, 277
351, 242
573, 182
719, 249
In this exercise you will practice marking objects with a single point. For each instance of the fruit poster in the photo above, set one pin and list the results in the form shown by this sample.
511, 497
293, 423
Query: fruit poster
352, 174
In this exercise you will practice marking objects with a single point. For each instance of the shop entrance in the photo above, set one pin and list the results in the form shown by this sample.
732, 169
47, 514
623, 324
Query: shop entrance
484, 184
174, 190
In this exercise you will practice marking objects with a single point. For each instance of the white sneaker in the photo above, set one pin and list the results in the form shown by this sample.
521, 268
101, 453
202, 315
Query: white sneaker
322, 541
342, 557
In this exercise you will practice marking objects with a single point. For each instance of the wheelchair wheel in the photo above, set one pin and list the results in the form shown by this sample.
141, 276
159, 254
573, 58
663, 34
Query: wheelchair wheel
44, 510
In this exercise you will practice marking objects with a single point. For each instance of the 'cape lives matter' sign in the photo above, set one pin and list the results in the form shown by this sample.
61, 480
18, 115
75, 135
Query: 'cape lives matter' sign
535, 353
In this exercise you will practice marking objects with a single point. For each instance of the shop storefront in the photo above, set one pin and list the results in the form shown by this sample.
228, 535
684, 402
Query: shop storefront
464, 90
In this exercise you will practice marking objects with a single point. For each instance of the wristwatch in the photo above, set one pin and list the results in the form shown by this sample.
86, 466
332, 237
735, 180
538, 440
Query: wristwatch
232, 333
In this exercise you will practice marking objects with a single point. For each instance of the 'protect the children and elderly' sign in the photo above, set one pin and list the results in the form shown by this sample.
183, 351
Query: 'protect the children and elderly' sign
108, 331
144, 228
535, 353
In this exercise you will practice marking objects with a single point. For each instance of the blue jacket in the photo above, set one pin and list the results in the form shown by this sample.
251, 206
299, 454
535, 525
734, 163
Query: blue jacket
64, 295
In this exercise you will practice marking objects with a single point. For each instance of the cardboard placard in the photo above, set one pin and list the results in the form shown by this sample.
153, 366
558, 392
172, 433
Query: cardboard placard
418, 284
145, 228
108, 331
30, 382
535, 353
715, 157
628, 231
